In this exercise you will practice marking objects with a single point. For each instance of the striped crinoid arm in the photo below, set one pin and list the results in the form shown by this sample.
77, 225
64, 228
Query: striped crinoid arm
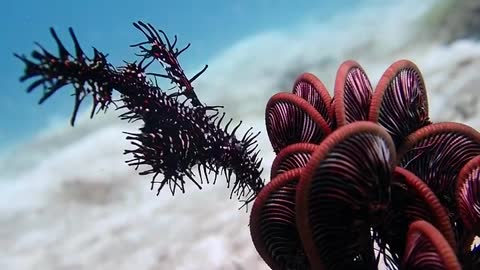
426, 248
181, 139
311, 89
291, 119
353, 94
400, 102
468, 195
412, 200
342, 194
436, 153
273, 223
292, 157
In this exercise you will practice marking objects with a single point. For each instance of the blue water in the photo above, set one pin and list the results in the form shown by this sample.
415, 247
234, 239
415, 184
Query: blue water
210, 26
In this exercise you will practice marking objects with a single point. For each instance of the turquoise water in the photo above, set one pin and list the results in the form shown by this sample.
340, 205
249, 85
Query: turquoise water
211, 27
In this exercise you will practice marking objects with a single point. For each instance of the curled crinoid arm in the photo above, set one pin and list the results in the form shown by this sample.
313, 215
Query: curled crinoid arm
343, 194
426, 248
180, 139
399, 102
412, 200
291, 119
164, 51
353, 93
311, 89
436, 153
87, 76
273, 226
292, 157
468, 195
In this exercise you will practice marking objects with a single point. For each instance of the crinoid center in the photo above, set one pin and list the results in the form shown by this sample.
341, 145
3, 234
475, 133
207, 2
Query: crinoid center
377, 212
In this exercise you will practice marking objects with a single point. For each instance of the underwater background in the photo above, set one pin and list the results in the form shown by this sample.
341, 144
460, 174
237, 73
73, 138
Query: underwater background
67, 199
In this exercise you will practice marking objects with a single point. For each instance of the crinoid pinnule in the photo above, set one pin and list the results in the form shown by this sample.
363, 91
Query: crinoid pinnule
343, 192
353, 94
273, 225
411, 200
310, 88
292, 157
291, 119
400, 102
436, 153
426, 248
468, 195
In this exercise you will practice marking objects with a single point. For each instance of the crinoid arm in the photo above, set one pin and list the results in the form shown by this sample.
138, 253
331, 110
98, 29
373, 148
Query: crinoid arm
181, 138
